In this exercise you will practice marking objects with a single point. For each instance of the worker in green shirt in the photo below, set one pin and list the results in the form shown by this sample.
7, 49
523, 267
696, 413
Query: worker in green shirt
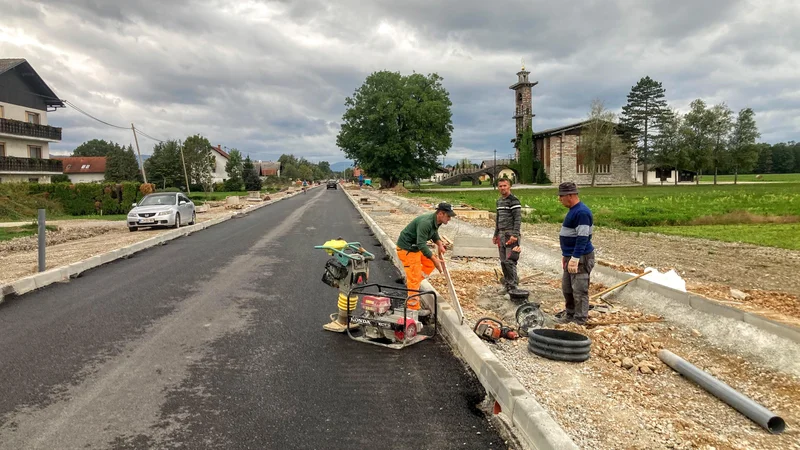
412, 248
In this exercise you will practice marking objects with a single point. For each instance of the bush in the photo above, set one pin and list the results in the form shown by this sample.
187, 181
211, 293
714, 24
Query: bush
60, 178
218, 187
231, 185
147, 188
169, 189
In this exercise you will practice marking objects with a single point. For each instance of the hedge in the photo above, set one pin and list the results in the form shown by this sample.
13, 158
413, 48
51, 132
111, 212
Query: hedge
80, 199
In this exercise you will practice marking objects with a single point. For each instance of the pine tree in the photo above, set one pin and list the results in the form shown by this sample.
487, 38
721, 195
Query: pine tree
526, 157
252, 182
639, 119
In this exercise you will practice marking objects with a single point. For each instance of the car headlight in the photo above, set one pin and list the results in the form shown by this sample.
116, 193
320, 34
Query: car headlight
164, 213
131, 214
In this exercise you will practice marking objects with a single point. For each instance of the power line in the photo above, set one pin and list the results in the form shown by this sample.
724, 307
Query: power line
72, 105
147, 135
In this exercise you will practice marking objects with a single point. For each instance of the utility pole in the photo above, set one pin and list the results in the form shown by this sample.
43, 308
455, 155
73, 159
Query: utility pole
141, 164
494, 169
185, 176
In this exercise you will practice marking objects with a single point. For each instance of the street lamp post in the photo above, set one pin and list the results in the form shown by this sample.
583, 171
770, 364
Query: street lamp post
494, 169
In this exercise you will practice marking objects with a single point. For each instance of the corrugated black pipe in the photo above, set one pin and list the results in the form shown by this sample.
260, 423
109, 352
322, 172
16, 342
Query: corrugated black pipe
755, 412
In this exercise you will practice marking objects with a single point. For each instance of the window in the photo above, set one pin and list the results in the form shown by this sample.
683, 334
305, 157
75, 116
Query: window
33, 117
33, 180
2, 149
34, 151
2, 113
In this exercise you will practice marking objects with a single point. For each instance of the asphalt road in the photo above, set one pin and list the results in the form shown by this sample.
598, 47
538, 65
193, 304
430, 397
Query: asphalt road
215, 340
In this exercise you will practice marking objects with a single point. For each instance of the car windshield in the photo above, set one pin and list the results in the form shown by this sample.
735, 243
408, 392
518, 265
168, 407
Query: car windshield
159, 199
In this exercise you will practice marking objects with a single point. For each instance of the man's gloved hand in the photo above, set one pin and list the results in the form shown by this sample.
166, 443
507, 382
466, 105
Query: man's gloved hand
440, 245
572, 267
437, 263
512, 240
495, 240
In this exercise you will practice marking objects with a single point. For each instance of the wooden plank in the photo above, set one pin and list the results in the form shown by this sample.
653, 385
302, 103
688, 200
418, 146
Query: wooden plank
452, 291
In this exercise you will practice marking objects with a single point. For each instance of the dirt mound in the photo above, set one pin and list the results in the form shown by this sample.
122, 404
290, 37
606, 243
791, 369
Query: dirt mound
60, 236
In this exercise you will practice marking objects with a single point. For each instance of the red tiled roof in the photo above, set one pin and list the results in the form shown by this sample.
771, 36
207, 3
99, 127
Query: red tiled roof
222, 152
83, 164
265, 172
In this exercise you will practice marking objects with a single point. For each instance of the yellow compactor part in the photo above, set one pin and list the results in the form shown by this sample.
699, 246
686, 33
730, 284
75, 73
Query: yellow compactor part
343, 302
338, 244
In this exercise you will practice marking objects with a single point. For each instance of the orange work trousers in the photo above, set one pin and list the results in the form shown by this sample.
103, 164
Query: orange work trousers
415, 265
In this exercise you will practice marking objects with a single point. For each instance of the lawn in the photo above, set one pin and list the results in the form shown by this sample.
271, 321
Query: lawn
643, 208
765, 178
463, 185
8, 233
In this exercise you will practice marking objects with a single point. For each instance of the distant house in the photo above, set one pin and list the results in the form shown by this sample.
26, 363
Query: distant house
83, 169
221, 157
502, 173
440, 174
25, 137
664, 175
267, 168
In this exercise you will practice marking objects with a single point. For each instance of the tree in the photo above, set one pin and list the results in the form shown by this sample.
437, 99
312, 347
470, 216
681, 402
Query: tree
669, 144
599, 139
164, 165
234, 168
782, 158
764, 162
199, 161
396, 127
95, 147
697, 134
306, 173
743, 149
325, 169
526, 173
252, 182
721, 124
646, 103
121, 165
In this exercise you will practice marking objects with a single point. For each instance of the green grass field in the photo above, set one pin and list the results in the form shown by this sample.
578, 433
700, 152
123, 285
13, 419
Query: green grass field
763, 210
8, 233
751, 178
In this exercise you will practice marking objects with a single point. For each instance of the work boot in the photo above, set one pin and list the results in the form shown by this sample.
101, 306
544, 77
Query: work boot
561, 314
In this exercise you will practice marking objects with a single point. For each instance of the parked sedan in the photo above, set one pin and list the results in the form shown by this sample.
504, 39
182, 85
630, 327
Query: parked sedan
164, 209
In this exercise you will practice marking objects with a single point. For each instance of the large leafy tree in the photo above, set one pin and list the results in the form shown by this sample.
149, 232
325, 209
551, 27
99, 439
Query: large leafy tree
199, 161
164, 166
121, 165
396, 127
669, 145
599, 139
721, 125
743, 149
697, 133
646, 103
96, 147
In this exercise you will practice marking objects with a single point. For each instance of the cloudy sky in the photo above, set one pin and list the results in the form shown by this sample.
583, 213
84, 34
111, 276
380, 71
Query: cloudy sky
270, 77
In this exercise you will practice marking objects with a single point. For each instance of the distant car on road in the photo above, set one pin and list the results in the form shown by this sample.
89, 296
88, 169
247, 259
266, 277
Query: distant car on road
331, 185
163, 209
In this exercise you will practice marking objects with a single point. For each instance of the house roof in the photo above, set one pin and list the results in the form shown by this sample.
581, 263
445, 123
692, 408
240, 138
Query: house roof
37, 84
267, 165
82, 164
222, 152
561, 129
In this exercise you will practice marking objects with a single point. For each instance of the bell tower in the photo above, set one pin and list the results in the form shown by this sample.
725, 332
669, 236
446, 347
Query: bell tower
523, 113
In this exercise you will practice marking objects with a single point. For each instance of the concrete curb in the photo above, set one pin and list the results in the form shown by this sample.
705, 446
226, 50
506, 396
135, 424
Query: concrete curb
532, 424
64, 273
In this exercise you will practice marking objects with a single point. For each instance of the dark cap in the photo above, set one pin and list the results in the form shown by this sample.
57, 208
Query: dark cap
567, 188
446, 208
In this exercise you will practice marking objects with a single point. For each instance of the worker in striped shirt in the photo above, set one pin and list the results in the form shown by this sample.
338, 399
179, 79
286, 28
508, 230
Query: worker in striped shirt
577, 255
507, 233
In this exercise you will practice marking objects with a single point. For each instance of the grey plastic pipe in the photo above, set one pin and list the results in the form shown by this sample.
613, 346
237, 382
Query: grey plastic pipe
755, 412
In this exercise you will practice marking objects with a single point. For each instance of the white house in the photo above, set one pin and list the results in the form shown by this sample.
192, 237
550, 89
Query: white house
84, 169
25, 137
663, 175
220, 159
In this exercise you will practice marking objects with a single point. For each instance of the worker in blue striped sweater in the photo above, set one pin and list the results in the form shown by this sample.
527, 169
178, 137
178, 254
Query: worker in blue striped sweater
577, 255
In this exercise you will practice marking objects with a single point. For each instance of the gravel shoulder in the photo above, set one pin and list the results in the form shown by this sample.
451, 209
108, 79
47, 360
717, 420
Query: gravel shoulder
624, 396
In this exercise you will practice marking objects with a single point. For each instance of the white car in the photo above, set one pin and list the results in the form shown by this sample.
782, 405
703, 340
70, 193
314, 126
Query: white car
164, 209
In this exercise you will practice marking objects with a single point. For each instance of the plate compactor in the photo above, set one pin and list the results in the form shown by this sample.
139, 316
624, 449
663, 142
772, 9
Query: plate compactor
371, 313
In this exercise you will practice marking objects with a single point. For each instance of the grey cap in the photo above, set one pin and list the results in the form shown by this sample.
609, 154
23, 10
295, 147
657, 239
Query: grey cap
567, 188
446, 207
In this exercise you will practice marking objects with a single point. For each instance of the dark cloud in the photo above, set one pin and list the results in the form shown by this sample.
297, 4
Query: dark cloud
270, 77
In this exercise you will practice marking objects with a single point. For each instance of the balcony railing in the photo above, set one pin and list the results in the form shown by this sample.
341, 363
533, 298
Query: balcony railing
14, 164
21, 128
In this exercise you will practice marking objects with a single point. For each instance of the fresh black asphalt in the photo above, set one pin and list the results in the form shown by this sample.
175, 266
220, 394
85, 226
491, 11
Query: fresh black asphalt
215, 340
